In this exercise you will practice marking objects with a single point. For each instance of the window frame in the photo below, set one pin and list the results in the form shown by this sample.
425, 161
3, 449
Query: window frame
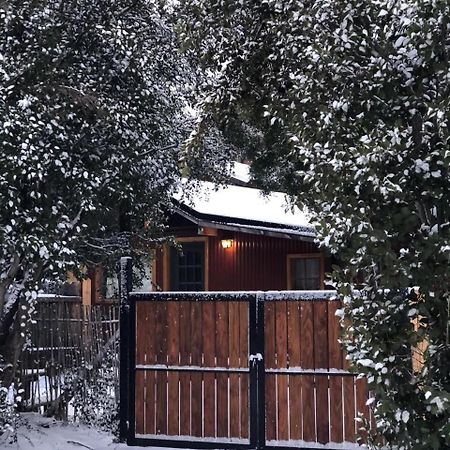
167, 263
293, 256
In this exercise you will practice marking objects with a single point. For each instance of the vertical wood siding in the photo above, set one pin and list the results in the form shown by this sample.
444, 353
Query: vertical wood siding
253, 262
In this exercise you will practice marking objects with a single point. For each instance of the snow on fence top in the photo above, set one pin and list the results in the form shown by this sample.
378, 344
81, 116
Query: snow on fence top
238, 295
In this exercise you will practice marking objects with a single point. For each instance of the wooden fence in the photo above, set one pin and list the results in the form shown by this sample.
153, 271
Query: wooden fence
65, 336
250, 370
310, 394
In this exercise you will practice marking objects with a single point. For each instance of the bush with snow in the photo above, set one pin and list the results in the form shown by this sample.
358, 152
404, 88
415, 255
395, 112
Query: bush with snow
95, 400
93, 105
347, 104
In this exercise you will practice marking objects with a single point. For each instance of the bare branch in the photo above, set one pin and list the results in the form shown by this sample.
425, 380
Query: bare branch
167, 147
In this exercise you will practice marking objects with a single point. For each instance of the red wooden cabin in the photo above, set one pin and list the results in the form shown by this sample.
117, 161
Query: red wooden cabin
235, 239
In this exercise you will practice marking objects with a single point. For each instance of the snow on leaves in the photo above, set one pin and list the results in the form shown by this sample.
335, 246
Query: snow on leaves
352, 101
88, 87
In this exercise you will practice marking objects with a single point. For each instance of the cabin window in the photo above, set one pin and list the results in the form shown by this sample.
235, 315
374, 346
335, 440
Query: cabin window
305, 272
188, 267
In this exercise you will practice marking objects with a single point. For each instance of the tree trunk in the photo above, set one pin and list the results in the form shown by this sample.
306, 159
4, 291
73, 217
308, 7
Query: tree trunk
13, 327
6, 322
10, 351
8, 280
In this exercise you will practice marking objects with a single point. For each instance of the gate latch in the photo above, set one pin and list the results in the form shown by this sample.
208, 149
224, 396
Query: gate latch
253, 359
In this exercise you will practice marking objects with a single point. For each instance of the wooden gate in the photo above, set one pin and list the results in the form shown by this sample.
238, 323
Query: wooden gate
310, 396
236, 370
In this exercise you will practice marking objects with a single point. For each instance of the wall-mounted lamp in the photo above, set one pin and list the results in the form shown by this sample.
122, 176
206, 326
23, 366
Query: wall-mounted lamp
226, 243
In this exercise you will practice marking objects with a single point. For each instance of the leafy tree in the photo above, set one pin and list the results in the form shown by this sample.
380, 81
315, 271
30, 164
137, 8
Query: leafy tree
92, 101
348, 104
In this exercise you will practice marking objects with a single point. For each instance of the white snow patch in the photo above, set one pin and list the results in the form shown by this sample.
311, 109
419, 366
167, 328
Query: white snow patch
261, 295
300, 295
244, 203
43, 433
192, 439
308, 444
240, 171
256, 229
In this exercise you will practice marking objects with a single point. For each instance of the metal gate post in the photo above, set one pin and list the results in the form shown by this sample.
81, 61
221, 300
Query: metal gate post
257, 373
252, 361
261, 371
125, 283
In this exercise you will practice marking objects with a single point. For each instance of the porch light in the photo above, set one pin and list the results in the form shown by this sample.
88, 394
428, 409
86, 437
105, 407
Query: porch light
226, 243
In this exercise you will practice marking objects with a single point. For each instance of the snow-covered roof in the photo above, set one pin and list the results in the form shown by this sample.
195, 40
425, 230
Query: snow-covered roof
246, 208
240, 172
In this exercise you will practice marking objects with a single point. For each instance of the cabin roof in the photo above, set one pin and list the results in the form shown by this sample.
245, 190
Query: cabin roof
243, 209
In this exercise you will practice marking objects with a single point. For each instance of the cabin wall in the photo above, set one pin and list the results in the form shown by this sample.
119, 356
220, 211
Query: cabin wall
253, 262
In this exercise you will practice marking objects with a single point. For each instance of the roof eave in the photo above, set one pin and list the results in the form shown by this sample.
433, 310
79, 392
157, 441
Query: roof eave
285, 233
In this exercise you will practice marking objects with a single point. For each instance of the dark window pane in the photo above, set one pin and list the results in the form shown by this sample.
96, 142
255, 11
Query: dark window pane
312, 268
299, 265
187, 268
306, 274
198, 258
312, 283
189, 258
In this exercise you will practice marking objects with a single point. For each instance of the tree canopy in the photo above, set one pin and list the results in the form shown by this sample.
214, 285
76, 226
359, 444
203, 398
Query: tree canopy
346, 107
94, 97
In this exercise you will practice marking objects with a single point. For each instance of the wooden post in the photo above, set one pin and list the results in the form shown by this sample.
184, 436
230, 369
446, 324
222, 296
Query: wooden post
86, 291
125, 284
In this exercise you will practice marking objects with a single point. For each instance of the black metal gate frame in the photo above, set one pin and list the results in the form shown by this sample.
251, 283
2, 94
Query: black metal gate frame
128, 299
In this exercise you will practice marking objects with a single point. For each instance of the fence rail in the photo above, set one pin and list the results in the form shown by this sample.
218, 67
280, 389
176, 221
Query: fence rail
65, 336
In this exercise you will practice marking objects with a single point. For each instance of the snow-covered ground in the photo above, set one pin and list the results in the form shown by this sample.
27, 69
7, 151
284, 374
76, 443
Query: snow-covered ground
41, 433
36, 432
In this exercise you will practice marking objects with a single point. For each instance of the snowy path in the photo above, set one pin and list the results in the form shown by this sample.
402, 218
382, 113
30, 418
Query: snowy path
41, 433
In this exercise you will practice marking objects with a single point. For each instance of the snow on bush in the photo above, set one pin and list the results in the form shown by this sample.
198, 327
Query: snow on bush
96, 394
344, 105
93, 106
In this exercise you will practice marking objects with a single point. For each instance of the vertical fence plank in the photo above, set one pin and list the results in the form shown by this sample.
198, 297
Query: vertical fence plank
36, 355
295, 381
362, 394
222, 352
173, 320
335, 361
282, 363
50, 361
140, 402
234, 327
349, 403
161, 377
335, 349
307, 362
150, 358
196, 377
243, 362
270, 380
140, 375
185, 359
349, 409
321, 362
209, 360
